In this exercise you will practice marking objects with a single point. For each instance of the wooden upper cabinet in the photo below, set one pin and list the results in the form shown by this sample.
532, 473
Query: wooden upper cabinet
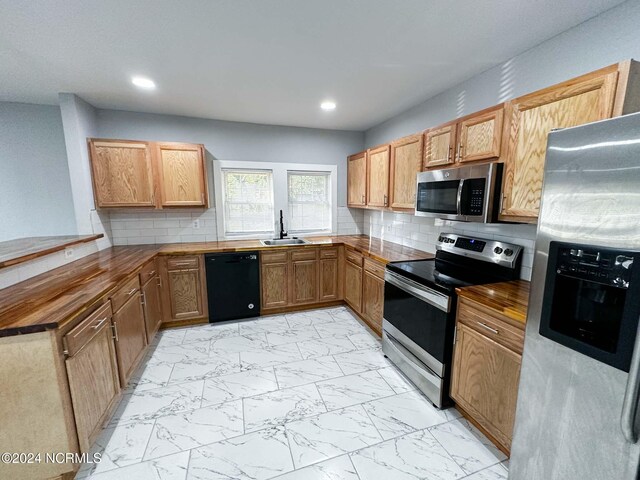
182, 175
357, 180
439, 145
378, 165
122, 173
148, 174
406, 163
480, 135
530, 118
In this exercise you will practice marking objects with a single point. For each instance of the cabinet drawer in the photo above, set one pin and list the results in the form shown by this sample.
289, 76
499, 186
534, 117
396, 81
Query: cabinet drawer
148, 272
328, 253
129, 289
353, 257
182, 263
306, 254
374, 267
490, 326
87, 329
273, 257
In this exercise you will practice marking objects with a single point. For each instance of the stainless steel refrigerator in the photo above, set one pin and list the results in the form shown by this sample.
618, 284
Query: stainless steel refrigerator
576, 414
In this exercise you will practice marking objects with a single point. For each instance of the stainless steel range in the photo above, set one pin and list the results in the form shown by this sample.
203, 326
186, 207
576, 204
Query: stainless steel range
420, 305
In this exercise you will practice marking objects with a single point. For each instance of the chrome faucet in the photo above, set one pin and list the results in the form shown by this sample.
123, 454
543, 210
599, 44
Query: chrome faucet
282, 231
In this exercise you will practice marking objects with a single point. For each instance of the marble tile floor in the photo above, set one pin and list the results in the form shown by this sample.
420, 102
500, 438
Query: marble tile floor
301, 396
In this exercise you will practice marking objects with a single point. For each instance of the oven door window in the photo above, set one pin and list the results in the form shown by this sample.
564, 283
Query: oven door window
438, 197
423, 323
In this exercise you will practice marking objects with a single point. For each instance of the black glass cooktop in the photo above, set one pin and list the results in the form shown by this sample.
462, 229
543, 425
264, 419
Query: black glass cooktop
446, 276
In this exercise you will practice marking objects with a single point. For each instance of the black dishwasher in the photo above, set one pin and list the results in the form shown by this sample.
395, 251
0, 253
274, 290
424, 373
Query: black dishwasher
233, 285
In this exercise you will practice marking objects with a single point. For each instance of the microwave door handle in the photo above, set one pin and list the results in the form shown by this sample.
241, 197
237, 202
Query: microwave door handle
459, 197
630, 418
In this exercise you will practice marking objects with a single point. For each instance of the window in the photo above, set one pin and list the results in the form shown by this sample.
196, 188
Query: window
309, 201
250, 196
248, 202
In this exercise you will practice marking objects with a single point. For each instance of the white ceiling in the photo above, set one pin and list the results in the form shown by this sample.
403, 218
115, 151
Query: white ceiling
267, 61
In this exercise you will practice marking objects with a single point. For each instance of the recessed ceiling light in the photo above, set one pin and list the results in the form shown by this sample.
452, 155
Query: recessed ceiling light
328, 106
143, 82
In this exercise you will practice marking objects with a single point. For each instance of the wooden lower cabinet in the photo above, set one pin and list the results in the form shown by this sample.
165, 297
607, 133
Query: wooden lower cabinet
486, 373
274, 285
373, 300
353, 285
92, 371
299, 277
131, 337
329, 284
152, 303
185, 289
304, 281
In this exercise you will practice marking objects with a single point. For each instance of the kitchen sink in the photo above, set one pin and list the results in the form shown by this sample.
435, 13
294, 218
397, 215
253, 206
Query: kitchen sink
276, 242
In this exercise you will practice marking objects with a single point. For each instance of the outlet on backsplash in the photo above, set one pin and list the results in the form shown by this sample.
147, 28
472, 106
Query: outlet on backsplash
68, 253
196, 223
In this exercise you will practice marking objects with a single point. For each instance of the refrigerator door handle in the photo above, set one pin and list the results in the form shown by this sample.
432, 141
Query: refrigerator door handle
630, 418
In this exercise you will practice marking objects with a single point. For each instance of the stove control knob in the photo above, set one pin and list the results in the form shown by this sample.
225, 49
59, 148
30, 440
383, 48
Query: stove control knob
508, 252
618, 281
440, 238
497, 250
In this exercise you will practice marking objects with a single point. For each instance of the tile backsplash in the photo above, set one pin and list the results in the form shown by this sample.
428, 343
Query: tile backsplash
140, 227
422, 232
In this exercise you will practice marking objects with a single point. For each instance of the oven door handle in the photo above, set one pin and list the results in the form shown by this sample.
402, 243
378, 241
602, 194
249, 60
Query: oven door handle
629, 421
438, 300
459, 197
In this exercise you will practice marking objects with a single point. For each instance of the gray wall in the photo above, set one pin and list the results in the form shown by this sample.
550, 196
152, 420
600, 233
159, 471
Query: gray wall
35, 190
601, 41
239, 141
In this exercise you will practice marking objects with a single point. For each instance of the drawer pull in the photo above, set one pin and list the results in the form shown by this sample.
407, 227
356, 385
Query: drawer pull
487, 327
152, 273
99, 324
134, 290
114, 325
182, 263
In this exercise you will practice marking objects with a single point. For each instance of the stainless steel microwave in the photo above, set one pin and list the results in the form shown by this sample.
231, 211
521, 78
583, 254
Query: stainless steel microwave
467, 194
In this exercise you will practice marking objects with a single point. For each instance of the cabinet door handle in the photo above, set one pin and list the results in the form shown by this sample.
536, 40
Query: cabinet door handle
450, 152
487, 327
132, 291
458, 152
363, 201
99, 324
114, 326
460, 149
386, 202
142, 298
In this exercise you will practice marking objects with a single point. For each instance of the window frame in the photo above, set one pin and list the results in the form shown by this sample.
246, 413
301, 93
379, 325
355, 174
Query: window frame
279, 182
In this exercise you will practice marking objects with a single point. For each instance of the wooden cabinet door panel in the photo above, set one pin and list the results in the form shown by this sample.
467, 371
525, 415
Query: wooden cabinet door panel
185, 292
373, 300
94, 384
439, 145
152, 307
357, 180
485, 381
378, 163
329, 279
131, 337
406, 163
304, 281
183, 176
531, 118
122, 173
353, 286
480, 136
274, 282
